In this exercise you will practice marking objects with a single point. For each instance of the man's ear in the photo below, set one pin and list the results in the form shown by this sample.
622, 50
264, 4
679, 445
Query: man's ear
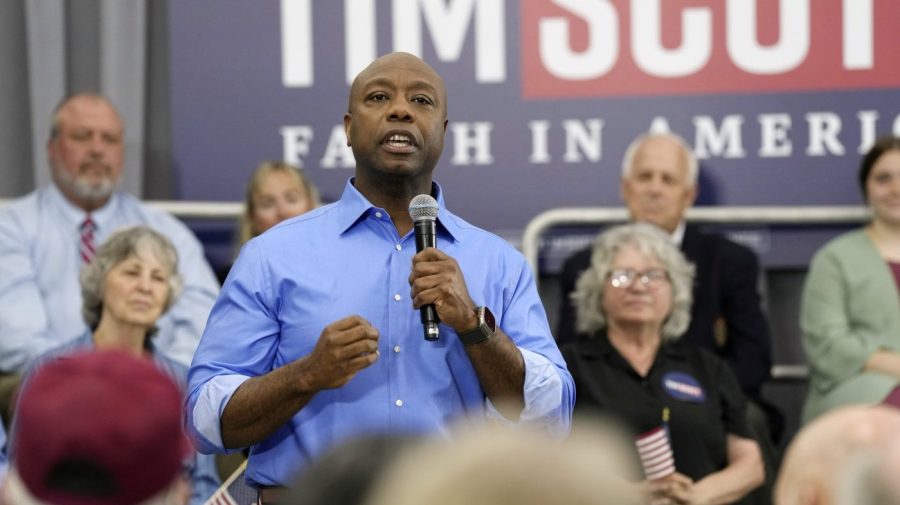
347, 118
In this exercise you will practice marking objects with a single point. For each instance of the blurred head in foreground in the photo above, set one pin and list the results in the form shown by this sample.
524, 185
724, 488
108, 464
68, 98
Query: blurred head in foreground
345, 474
826, 452
496, 466
98, 428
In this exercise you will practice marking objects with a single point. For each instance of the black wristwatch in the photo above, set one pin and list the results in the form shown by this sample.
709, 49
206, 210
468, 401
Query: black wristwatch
485, 329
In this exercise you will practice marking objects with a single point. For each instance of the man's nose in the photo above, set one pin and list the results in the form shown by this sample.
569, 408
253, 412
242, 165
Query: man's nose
97, 146
655, 185
400, 111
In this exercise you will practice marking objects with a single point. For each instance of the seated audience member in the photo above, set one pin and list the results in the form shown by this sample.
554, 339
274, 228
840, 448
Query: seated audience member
658, 185
99, 428
513, 467
821, 459
276, 191
634, 302
850, 314
46, 237
128, 285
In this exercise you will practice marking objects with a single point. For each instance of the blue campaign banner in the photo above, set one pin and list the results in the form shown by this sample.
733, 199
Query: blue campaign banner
777, 97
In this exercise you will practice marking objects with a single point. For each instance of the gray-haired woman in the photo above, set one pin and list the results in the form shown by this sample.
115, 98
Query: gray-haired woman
634, 302
131, 281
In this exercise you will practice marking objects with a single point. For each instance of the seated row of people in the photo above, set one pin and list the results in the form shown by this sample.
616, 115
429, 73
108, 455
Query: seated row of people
142, 273
618, 336
659, 183
47, 236
850, 319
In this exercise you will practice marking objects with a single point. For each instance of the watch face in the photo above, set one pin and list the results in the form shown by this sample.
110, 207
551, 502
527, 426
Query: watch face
489, 320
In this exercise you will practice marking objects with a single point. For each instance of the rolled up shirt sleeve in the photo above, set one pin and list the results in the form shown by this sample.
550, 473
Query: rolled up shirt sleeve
545, 405
549, 390
204, 411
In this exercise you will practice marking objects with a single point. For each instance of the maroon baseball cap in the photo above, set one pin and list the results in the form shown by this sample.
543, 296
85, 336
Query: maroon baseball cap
113, 415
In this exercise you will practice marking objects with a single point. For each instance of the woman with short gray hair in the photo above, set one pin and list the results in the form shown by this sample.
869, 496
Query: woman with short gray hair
682, 401
650, 241
128, 285
136, 250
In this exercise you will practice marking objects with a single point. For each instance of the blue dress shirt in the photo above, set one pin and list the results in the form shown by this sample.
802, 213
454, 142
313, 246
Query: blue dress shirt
344, 259
40, 293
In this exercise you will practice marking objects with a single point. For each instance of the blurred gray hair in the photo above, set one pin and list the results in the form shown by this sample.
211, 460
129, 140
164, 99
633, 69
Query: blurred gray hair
495, 465
693, 167
653, 242
871, 477
136, 240
56, 122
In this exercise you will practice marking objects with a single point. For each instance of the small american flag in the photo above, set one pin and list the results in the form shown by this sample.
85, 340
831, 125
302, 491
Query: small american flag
655, 453
234, 491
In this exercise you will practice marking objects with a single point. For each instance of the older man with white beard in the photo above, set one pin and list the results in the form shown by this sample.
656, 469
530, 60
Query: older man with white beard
49, 234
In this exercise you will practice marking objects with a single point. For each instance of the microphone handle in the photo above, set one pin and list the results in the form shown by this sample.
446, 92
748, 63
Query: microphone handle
426, 237
425, 234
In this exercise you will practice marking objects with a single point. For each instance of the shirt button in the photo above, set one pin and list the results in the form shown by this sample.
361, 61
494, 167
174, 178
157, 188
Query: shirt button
398, 247
378, 214
398, 403
396, 348
397, 297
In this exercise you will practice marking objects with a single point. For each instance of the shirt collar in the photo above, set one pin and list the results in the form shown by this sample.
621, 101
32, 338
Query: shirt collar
76, 214
354, 207
678, 234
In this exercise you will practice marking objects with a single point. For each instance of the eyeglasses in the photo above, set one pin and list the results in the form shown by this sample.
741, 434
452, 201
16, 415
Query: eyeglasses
651, 278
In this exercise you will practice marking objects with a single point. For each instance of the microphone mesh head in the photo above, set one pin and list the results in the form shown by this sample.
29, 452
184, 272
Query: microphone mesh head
423, 207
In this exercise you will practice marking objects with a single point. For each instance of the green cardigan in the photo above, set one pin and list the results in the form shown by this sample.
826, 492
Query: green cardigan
850, 308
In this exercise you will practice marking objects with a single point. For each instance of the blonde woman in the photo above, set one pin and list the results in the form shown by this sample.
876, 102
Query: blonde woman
276, 191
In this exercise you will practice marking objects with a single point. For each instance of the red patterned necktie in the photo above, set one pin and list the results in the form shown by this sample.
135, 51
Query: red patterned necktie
86, 246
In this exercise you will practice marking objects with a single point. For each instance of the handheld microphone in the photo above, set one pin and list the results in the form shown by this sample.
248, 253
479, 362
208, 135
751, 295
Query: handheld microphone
423, 209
